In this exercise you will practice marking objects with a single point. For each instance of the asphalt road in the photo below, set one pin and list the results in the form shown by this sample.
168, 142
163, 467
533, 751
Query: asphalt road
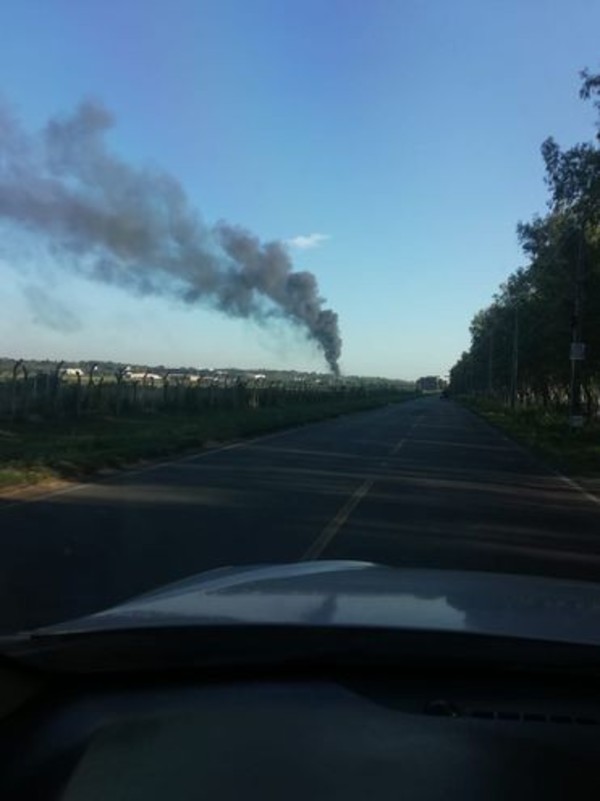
424, 483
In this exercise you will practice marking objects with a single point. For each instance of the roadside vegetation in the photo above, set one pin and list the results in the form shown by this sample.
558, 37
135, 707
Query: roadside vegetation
533, 366
37, 449
546, 433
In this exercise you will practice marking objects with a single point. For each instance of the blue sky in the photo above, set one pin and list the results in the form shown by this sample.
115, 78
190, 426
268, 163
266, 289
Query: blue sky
406, 133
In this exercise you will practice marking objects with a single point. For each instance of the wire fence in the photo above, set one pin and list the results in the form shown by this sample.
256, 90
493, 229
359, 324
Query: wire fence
25, 395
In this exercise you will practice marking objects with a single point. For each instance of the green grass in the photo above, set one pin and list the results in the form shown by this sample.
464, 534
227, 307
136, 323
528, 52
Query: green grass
547, 434
35, 451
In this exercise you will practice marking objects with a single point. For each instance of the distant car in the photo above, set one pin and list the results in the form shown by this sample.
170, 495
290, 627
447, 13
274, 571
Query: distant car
445, 394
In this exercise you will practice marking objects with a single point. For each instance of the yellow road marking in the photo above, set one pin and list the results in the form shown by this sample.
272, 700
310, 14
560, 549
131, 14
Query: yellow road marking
334, 525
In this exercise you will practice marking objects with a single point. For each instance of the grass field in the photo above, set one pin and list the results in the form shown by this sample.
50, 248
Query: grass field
35, 451
547, 434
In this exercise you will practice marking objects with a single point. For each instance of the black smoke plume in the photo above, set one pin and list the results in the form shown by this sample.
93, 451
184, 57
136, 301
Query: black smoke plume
134, 227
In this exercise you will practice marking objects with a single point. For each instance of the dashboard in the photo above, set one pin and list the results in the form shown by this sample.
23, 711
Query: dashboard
324, 734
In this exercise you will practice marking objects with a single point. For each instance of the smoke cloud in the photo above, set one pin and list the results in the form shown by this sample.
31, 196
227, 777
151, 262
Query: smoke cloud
50, 311
135, 228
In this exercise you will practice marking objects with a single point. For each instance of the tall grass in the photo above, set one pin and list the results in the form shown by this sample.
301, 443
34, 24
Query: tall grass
547, 433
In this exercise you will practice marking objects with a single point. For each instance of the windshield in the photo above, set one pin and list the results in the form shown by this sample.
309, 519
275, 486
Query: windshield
295, 282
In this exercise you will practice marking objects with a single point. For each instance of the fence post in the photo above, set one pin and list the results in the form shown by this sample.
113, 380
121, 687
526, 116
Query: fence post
18, 364
99, 393
34, 391
145, 401
57, 387
78, 397
166, 392
119, 398
89, 394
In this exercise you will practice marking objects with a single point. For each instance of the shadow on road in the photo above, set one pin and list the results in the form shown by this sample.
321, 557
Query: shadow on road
447, 492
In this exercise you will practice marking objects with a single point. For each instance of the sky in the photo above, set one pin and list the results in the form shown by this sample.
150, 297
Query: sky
391, 145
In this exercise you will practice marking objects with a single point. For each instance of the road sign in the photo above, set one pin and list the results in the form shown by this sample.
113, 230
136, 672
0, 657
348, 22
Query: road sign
577, 351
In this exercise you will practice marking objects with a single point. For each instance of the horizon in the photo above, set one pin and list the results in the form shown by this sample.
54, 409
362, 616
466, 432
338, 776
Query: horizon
196, 368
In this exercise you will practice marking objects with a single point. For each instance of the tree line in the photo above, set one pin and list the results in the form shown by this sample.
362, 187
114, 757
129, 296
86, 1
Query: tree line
538, 342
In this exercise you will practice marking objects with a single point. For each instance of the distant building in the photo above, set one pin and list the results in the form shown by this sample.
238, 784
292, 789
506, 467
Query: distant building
430, 383
182, 378
130, 375
72, 372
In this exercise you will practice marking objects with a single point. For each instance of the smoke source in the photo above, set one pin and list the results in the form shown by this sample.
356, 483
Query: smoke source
134, 227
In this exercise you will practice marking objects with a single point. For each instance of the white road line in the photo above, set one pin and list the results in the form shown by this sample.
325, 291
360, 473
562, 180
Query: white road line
334, 525
574, 485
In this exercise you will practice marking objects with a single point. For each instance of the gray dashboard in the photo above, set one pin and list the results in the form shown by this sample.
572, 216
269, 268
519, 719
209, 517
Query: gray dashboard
392, 737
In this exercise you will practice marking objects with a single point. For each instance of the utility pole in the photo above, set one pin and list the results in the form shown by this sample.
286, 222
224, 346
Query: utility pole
491, 363
514, 379
577, 354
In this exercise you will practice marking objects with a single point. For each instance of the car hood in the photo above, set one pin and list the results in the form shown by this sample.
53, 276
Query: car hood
362, 594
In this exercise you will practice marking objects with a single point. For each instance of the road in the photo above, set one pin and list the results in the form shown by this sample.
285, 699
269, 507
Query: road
424, 483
